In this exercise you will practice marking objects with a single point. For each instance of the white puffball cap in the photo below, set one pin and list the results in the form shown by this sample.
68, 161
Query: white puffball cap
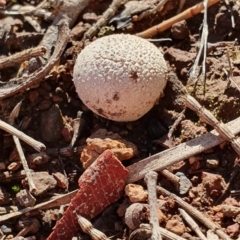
120, 76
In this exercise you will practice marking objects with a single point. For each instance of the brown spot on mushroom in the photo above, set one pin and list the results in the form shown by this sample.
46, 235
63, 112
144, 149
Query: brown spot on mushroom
133, 76
116, 96
116, 114
100, 111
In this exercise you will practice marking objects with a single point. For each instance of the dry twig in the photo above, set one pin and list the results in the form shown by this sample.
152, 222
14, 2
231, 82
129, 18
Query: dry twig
180, 117
183, 151
52, 203
107, 15
229, 74
30, 141
192, 224
181, 5
146, 230
151, 181
194, 72
209, 118
77, 128
67, 11
152, 10
14, 114
88, 228
32, 187
17, 85
230, 10
21, 56
194, 212
188, 13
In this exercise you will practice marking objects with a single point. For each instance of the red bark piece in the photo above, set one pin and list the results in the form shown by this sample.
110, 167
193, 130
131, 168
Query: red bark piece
100, 185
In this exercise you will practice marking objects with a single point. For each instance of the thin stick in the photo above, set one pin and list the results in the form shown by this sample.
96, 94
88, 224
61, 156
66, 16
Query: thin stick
21, 56
32, 187
230, 74
30, 141
231, 13
209, 118
151, 181
77, 125
181, 152
152, 10
234, 173
180, 117
52, 203
188, 13
230, 80
88, 228
194, 212
192, 224
19, 84
181, 5
146, 228
194, 73
107, 15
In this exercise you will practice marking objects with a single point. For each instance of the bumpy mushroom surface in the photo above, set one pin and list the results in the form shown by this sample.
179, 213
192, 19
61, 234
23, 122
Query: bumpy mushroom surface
120, 77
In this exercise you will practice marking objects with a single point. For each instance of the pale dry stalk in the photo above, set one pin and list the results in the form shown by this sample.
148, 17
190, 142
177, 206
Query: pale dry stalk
146, 228
164, 159
19, 84
21, 56
152, 10
14, 114
192, 224
188, 13
52, 203
67, 11
195, 213
181, 5
194, 72
151, 181
32, 187
107, 15
88, 228
15, 132
209, 118
77, 125
171, 177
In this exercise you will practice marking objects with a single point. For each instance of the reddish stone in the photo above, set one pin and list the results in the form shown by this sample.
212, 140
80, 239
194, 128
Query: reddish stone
100, 185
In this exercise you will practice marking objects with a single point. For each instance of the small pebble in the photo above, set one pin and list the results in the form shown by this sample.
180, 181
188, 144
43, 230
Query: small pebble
62, 181
14, 166
4, 196
51, 124
36, 159
43, 182
67, 132
184, 183
3, 166
180, 30
194, 159
233, 230
6, 229
25, 198
212, 163
136, 193
175, 226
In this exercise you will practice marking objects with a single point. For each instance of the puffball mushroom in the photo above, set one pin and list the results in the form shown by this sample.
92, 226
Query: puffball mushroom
120, 77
